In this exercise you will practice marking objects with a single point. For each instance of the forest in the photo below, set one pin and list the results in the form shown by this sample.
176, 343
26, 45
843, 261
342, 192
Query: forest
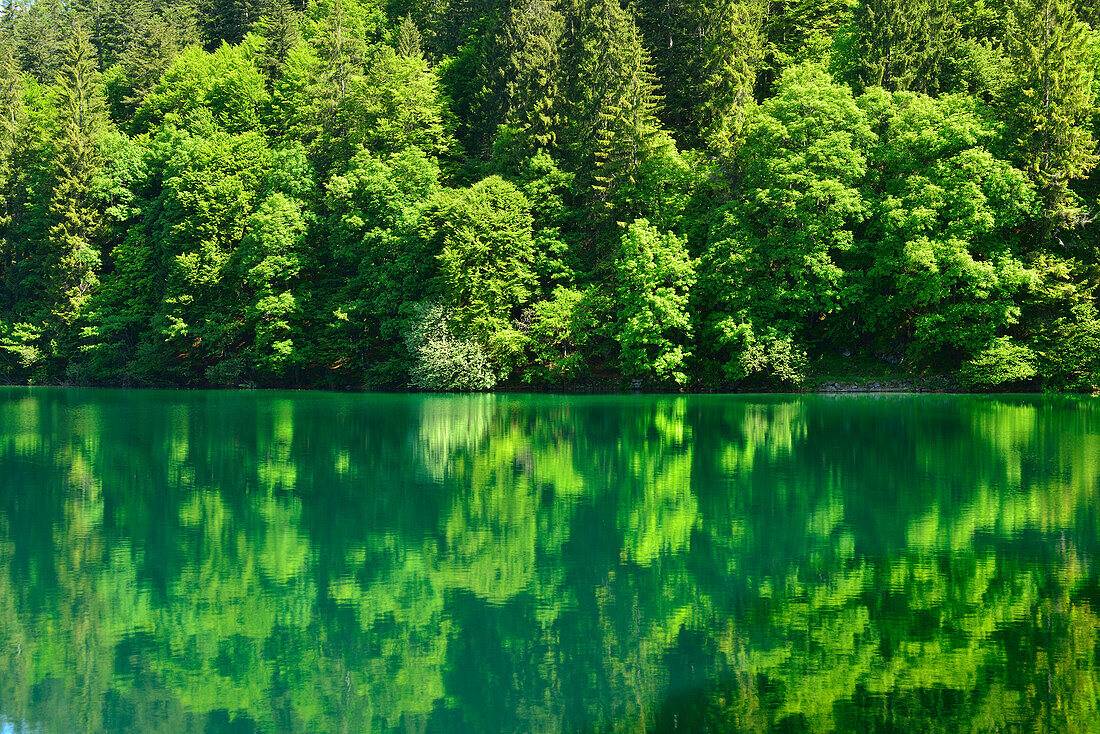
461, 195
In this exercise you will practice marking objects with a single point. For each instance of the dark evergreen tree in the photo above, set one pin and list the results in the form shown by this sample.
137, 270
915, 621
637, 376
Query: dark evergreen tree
41, 37
904, 44
706, 55
9, 14
341, 59
226, 21
731, 53
11, 121
532, 35
612, 98
113, 25
278, 26
1053, 104
796, 31
71, 260
155, 42
407, 38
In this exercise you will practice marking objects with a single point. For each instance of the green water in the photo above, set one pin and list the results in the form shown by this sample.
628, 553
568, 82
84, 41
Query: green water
304, 562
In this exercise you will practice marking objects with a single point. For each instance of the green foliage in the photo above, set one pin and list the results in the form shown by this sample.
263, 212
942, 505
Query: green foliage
279, 29
41, 40
375, 208
533, 34
905, 44
947, 271
396, 105
773, 276
1053, 102
71, 262
268, 262
485, 254
653, 275
252, 192
1063, 325
226, 83
1001, 362
153, 41
443, 362
21, 357
559, 336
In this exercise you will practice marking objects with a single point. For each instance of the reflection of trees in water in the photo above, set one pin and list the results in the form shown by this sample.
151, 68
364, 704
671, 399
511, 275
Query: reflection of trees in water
325, 563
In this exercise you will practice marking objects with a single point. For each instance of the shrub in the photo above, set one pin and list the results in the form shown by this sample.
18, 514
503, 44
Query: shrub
999, 363
442, 361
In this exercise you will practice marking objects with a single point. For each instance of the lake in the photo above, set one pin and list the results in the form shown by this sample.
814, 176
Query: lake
317, 562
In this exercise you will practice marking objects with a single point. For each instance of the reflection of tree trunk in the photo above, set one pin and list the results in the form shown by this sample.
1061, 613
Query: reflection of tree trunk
347, 700
415, 723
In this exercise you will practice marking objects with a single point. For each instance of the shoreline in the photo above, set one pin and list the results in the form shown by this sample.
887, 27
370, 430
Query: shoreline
931, 385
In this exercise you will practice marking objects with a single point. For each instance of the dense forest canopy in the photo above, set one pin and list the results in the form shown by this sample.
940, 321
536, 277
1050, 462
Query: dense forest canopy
460, 194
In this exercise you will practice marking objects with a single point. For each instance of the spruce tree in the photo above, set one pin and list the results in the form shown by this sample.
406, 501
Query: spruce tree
407, 39
1053, 104
672, 35
112, 24
338, 54
71, 259
11, 120
612, 99
226, 21
904, 44
730, 54
90, 14
156, 42
8, 16
279, 28
41, 37
532, 37
341, 52
706, 55
796, 31
628, 129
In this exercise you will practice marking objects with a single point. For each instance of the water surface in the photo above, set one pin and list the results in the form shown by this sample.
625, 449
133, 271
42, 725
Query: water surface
311, 562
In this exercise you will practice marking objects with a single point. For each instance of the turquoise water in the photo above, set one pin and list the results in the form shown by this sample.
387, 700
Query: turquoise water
312, 562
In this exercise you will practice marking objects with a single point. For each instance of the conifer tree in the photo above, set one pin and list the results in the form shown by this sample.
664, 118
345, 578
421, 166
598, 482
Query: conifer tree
155, 43
730, 54
339, 59
279, 29
628, 129
532, 36
8, 15
796, 31
1054, 103
407, 38
671, 36
226, 20
11, 120
40, 34
90, 14
904, 44
113, 25
706, 56
71, 260
612, 99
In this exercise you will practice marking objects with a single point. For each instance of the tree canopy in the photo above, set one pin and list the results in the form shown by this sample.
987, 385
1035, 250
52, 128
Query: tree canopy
687, 195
